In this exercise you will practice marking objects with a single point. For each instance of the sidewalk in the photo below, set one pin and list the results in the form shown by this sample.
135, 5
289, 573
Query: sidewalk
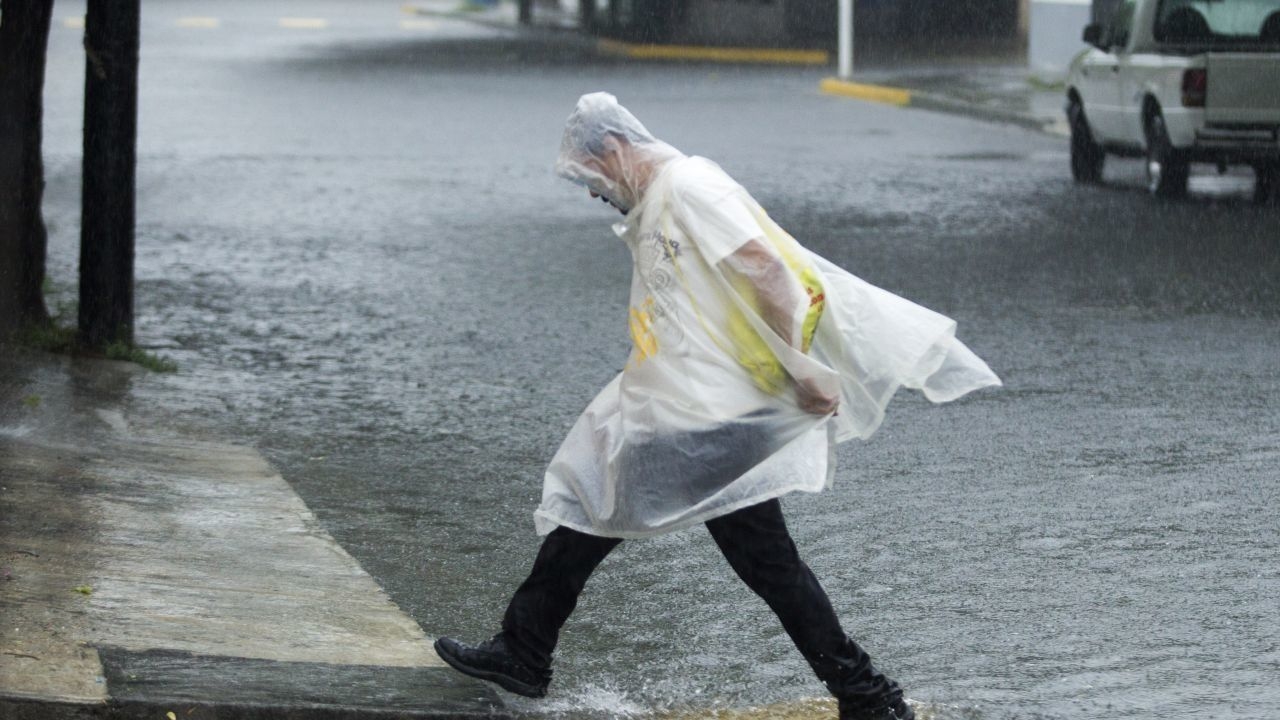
1004, 93
996, 87
144, 574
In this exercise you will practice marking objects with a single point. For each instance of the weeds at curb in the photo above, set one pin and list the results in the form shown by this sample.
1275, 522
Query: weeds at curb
59, 336
136, 355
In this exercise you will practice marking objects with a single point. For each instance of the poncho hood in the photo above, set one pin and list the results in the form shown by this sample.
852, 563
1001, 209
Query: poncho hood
609, 151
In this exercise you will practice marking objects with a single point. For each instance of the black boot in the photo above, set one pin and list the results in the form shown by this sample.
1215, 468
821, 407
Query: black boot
897, 710
493, 661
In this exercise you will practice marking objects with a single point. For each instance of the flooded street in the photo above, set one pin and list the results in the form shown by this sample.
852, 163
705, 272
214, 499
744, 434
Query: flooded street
351, 241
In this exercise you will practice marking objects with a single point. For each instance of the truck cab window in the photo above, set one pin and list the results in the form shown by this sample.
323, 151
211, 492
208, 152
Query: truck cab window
1121, 25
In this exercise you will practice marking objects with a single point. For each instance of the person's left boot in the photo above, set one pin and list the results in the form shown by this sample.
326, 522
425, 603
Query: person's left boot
492, 660
897, 710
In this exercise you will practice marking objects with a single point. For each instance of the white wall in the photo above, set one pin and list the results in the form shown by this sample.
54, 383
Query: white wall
1056, 27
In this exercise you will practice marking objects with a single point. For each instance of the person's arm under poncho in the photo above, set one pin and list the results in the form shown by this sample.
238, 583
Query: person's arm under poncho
716, 212
758, 272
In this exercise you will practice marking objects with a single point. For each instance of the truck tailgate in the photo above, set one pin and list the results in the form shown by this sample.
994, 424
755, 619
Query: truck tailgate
1243, 88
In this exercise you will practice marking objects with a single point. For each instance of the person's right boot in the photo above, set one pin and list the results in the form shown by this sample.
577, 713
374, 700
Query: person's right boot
493, 661
897, 710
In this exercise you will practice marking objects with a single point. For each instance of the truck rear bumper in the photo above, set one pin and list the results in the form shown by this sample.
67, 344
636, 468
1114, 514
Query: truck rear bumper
1236, 143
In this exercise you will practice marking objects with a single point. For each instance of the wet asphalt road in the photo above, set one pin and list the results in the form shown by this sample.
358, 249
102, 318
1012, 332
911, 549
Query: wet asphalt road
350, 239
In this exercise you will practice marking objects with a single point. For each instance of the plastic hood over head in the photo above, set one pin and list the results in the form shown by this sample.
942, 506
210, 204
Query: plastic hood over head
608, 150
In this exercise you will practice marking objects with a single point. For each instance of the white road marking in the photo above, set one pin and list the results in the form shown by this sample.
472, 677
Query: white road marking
418, 24
198, 22
296, 23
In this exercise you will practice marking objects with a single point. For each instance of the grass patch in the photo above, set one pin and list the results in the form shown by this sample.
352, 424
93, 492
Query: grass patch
59, 335
50, 337
1042, 84
136, 355
54, 337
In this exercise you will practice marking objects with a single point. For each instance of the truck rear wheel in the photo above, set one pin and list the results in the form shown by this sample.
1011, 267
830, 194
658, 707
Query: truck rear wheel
1268, 185
1167, 169
1087, 156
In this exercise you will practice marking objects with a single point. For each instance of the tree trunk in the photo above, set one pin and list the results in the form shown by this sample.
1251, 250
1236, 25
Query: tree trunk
110, 158
24, 38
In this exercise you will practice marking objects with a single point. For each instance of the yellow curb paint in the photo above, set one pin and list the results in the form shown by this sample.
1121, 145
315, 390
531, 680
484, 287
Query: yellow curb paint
862, 91
295, 23
715, 54
418, 24
198, 22
75, 23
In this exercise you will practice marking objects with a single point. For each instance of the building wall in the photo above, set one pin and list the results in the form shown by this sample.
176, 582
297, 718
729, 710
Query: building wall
1056, 28
909, 20
915, 24
733, 22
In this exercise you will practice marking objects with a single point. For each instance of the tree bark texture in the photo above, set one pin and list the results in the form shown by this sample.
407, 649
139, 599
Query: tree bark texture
24, 39
110, 160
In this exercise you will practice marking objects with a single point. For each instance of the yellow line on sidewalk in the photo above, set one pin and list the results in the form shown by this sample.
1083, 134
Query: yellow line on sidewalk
714, 54
75, 22
862, 91
198, 22
295, 23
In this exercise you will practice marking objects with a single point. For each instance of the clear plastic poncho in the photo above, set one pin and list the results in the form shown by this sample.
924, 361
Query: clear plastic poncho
751, 356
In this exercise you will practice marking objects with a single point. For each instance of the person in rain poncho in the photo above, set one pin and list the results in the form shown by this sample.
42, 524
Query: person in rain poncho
751, 357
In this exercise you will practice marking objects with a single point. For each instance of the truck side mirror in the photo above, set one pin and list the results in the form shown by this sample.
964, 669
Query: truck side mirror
1093, 34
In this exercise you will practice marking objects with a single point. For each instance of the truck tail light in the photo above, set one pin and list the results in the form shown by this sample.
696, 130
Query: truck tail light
1195, 86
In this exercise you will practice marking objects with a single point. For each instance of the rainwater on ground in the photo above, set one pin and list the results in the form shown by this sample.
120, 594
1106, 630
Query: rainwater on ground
352, 243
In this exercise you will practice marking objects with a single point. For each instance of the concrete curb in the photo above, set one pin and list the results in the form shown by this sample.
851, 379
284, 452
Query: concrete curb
698, 53
864, 91
146, 573
153, 684
903, 97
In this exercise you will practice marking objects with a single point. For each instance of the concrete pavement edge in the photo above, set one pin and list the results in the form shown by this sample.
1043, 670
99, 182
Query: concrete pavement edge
923, 100
144, 571
706, 53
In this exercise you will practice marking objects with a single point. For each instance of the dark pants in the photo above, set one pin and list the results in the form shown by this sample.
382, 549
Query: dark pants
757, 545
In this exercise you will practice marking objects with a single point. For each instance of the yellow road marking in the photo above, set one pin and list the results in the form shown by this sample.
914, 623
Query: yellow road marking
863, 91
75, 23
418, 24
297, 23
198, 22
715, 54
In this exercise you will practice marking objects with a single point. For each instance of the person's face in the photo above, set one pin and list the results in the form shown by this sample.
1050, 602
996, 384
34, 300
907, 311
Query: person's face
609, 164
595, 195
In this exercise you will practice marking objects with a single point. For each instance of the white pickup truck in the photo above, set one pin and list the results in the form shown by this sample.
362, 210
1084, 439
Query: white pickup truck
1176, 82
